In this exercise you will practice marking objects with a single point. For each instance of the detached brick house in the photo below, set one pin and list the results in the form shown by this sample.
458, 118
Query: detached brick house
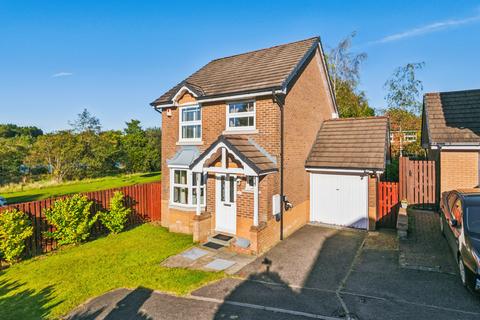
223, 132
451, 135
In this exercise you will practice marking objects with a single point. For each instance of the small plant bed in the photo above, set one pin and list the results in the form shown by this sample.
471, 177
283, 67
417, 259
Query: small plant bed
51, 285
50, 189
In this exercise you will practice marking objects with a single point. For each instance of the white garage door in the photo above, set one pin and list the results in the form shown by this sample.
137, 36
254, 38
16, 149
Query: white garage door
339, 199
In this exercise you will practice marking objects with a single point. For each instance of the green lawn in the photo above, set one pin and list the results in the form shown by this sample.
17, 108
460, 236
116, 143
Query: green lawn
38, 191
50, 286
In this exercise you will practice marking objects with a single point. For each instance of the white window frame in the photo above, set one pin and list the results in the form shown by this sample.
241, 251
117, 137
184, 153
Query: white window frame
241, 115
182, 123
190, 187
249, 187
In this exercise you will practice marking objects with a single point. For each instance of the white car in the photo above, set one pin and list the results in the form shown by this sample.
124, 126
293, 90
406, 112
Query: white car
3, 202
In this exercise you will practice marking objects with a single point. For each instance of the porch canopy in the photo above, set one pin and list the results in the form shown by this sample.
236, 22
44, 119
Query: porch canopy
236, 154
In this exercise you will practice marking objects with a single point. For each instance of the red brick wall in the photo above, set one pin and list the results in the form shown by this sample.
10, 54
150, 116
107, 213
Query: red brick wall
458, 169
307, 106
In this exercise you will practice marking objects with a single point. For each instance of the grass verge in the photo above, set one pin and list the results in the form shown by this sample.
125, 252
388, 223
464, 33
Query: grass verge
43, 190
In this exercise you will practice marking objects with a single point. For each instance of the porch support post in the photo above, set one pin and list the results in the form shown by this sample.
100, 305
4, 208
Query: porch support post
199, 179
255, 202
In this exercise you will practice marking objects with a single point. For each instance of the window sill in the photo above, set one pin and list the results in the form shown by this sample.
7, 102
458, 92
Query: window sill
232, 131
189, 143
185, 208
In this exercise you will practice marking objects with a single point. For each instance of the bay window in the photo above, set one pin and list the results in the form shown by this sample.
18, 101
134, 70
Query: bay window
241, 115
184, 188
190, 123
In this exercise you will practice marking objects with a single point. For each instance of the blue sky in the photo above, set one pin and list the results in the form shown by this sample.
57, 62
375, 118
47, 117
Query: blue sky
114, 57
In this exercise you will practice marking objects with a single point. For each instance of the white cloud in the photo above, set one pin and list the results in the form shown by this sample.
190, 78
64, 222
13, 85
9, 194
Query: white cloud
429, 28
61, 74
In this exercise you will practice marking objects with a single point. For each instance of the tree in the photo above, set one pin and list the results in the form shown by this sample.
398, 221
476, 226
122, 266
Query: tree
59, 151
86, 122
12, 130
12, 155
344, 66
404, 89
350, 103
344, 70
404, 103
140, 149
154, 142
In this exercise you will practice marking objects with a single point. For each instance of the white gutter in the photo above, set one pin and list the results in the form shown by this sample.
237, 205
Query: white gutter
225, 98
367, 171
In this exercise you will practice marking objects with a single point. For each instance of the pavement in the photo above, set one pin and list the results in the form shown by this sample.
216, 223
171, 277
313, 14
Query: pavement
317, 273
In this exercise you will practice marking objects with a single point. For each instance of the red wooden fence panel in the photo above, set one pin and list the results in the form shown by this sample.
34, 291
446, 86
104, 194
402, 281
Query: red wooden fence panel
417, 181
387, 204
143, 199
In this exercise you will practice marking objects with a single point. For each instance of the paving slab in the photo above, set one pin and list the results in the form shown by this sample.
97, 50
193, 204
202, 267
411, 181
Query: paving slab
194, 253
220, 264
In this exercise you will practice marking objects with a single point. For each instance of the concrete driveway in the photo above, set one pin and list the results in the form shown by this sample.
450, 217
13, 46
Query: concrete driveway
318, 272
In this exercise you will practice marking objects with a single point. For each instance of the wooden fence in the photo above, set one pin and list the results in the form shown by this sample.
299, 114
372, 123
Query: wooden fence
387, 204
417, 181
143, 199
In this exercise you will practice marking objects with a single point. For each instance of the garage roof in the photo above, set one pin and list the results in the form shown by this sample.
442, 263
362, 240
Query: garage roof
351, 143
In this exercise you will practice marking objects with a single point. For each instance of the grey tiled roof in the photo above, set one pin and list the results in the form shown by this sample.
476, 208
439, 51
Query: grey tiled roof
351, 143
264, 69
452, 117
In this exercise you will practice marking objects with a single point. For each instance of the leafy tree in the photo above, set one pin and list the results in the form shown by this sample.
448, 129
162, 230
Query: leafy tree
12, 155
140, 150
115, 219
154, 142
86, 122
15, 228
405, 89
404, 103
351, 103
12, 130
72, 219
344, 70
59, 151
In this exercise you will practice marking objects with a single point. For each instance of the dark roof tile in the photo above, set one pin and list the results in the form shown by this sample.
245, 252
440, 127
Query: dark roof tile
453, 117
355, 143
252, 71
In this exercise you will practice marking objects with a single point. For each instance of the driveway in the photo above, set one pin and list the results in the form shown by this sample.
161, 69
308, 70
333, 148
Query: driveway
318, 272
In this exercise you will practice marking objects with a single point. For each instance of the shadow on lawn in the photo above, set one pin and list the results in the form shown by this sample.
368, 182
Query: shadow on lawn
26, 303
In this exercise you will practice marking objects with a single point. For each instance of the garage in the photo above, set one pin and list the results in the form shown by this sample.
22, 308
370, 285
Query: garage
339, 199
345, 162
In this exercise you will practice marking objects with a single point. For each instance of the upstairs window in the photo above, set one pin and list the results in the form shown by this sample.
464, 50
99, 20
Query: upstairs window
190, 123
241, 116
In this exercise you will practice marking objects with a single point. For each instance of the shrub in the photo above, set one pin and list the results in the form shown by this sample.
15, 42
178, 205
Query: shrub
15, 228
115, 219
72, 219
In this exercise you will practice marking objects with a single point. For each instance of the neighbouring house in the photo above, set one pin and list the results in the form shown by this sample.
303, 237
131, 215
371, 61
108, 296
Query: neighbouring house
236, 136
451, 135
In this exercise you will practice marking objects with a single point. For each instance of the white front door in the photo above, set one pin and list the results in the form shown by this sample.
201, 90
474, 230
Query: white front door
226, 208
339, 199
